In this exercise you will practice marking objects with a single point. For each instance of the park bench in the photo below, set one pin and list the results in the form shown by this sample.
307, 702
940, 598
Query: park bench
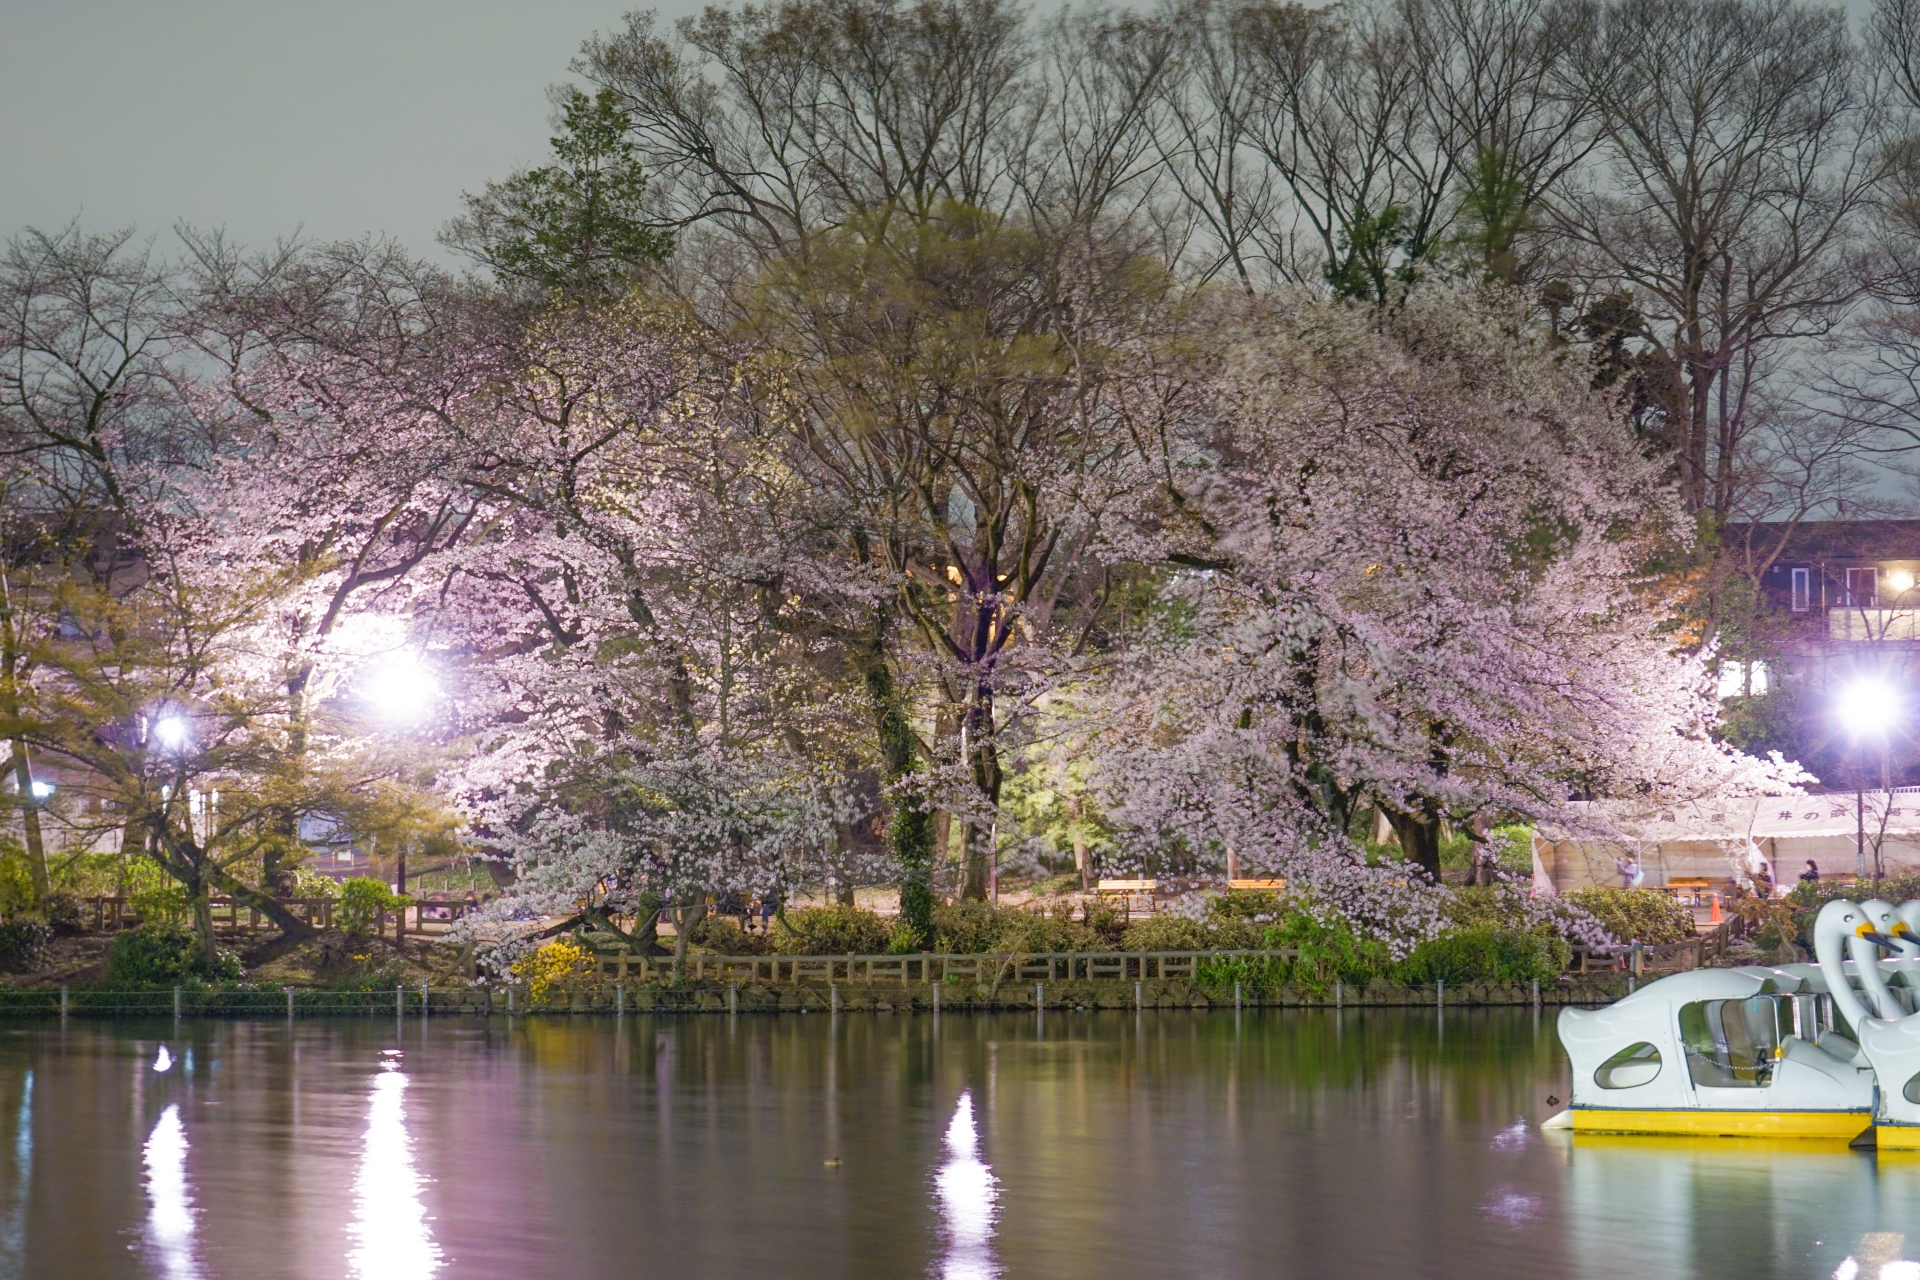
1256, 886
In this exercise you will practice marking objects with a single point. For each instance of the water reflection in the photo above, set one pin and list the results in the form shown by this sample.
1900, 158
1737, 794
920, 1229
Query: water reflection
170, 1212
389, 1225
967, 1195
13, 1244
162, 1060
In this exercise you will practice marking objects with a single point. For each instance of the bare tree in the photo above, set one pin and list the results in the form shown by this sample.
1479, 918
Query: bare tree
1739, 152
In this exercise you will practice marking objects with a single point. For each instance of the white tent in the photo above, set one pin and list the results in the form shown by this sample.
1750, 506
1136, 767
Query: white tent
1727, 841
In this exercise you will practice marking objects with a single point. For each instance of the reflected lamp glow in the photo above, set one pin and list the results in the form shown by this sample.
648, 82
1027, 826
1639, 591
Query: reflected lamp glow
967, 1196
389, 1227
170, 1211
400, 688
1867, 706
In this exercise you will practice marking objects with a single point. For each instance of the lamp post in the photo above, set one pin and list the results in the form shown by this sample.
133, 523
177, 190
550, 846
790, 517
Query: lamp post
1867, 707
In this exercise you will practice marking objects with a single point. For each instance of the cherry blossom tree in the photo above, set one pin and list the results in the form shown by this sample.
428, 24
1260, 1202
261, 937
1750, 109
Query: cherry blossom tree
1408, 570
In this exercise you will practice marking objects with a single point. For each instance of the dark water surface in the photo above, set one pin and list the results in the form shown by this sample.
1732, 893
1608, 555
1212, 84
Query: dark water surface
1382, 1142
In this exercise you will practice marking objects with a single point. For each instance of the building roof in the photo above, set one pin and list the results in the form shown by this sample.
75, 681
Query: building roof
1816, 540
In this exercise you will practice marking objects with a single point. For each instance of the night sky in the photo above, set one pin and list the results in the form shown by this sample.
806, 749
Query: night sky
333, 117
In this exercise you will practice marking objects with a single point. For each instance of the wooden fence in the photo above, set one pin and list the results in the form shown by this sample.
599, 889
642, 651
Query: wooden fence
926, 967
1665, 957
428, 917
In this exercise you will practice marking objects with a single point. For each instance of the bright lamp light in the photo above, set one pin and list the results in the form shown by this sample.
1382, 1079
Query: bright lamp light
1866, 706
400, 688
1900, 580
171, 731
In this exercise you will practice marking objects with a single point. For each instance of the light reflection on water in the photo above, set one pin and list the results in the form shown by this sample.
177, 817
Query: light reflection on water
967, 1195
1100, 1147
389, 1228
170, 1212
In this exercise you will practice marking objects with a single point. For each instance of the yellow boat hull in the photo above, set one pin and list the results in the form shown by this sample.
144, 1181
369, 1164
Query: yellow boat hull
1897, 1137
1727, 1124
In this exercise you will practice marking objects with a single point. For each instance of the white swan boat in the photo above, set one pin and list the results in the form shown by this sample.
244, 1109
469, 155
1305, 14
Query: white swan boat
1750, 1052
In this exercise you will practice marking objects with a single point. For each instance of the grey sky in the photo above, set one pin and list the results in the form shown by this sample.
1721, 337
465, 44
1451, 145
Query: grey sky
342, 117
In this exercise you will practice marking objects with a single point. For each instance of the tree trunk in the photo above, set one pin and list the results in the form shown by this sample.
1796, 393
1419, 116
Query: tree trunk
685, 921
909, 833
1419, 836
291, 925
30, 821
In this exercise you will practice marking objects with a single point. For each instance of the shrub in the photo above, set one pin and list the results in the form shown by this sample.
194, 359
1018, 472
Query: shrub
62, 912
1326, 951
722, 937
165, 954
1253, 973
1032, 933
1486, 953
1259, 907
1650, 915
831, 931
21, 939
1168, 932
16, 878
550, 966
363, 900
1105, 919
966, 928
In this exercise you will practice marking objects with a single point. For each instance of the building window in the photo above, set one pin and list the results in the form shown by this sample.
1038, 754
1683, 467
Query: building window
1802, 590
1863, 588
1743, 679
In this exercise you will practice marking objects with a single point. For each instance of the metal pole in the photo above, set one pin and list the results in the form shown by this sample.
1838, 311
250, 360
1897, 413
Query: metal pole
620, 998
399, 1000
1139, 1001
1536, 993
936, 997
1860, 830
1236, 995
733, 998
176, 1003
1440, 996
1039, 996
63, 1001
1339, 994
289, 991
423, 997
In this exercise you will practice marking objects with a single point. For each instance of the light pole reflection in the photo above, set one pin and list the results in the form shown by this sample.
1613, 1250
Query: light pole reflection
389, 1228
170, 1212
967, 1194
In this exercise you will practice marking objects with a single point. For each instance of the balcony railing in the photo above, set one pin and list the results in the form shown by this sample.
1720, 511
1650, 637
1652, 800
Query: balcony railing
1872, 625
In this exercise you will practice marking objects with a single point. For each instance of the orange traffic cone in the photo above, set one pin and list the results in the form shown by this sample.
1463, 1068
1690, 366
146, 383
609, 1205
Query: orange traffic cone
1716, 908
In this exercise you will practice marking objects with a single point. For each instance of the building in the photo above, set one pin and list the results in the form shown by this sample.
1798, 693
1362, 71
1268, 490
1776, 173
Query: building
1843, 614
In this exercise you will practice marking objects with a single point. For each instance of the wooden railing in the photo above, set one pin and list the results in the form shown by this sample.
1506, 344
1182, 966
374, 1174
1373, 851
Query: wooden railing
1665, 957
110, 914
925, 967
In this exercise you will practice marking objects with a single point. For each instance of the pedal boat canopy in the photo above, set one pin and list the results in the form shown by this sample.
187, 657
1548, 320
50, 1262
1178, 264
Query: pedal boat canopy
1714, 1052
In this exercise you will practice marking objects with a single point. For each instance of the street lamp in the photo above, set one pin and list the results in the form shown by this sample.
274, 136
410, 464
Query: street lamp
1868, 706
171, 731
400, 688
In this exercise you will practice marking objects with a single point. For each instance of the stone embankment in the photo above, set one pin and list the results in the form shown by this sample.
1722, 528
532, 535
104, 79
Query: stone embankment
710, 997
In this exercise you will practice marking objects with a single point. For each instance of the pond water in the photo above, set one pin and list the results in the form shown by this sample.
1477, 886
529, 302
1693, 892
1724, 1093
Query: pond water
1099, 1145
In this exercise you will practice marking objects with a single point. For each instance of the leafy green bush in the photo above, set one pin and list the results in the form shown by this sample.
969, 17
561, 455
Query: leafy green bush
1326, 951
1255, 974
966, 928
21, 939
1651, 915
722, 937
1261, 906
1807, 898
165, 954
1106, 919
1168, 932
16, 878
62, 912
363, 900
1486, 953
1033, 933
831, 931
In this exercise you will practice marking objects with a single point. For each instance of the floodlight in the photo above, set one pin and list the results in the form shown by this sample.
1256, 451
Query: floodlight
1866, 706
400, 688
171, 731
41, 789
